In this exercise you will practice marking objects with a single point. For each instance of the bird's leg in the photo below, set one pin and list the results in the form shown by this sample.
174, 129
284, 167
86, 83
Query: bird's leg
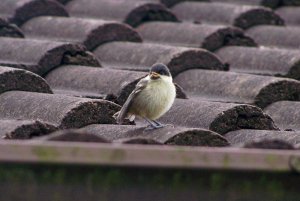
152, 124
162, 125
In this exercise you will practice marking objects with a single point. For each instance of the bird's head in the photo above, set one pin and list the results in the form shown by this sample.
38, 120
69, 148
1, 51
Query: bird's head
159, 71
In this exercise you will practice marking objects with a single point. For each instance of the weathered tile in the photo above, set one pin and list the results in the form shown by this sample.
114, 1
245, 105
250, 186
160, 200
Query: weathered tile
137, 140
242, 16
269, 144
12, 79
290, 14
210, 37
89, 32
42, 56
263, 61
285, 114
247, 136
238, 87
58, 110
276, 36
267, 3
130, 12
9, 30
101, 81
140, 56
166, 135
23, 129
216, 116
19, 11
70, 135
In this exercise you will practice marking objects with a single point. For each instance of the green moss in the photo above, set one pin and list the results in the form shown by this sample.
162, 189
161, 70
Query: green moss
45, 153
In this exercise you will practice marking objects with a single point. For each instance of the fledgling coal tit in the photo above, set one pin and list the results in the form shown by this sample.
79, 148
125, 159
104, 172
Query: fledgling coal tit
152, 97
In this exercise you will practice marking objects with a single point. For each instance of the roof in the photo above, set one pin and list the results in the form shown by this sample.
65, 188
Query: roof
72, 64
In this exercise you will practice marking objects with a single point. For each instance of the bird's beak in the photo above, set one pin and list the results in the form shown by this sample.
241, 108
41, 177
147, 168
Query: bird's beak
154, 75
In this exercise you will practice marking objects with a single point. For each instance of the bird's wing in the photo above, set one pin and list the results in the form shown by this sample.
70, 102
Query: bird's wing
124, 110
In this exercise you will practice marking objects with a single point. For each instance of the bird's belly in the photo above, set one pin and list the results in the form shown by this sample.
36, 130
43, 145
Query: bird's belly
153, 102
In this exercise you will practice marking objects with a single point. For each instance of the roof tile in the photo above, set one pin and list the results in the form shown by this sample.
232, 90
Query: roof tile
90, 80
140, 56
243, 16
42, 56
166, 135
23, 129
246, 136
276, 36
89, 32
263, 60
290, 14
285, 114
19, 11
210, 37
20, 80
130, 12
238, 87
267, 3
61, 111
216, 116
9, 30
269, 144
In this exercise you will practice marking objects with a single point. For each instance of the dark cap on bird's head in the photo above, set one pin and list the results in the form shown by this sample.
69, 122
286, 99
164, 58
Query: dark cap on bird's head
160, 69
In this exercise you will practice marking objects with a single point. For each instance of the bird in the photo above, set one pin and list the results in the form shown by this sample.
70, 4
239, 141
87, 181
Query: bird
152, 97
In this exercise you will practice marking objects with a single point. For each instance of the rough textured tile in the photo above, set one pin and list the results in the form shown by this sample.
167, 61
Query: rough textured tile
210, 37
42, 56
89, 80
167, 135
269, 144
137, 140
130, 12
19, 11
248, 136
218, 117
238, 87
229, 14
9, 30
12, 79
276, 36
140, 56
290, 2
61, 111
290, 14
263, 60
89, 32
63, 1
267, 3
285, 114
71, 135
18, 129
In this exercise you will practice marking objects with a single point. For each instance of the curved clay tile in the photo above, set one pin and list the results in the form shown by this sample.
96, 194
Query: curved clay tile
58, 110
19, 11
210, 37
90, 80
243, 16
12, 79
267, 3
285, 114
276, 36
238, 87
70, 135
140, 56
9, 30
263, 61
42, 56
290, 14
89, 32
167, 135
216, 116
23, 129
133, 13
247, 136
269, 144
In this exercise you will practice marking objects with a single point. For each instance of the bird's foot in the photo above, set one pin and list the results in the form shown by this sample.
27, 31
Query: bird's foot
153, 124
